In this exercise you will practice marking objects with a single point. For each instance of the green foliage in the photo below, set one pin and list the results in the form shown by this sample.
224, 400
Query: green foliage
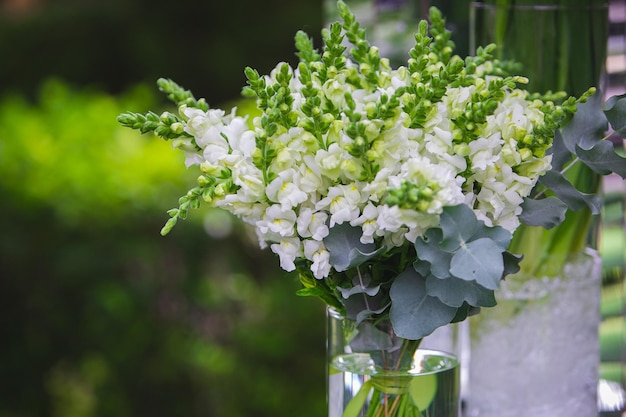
345, 247
64, 152
459, 264
414, 313
582, 141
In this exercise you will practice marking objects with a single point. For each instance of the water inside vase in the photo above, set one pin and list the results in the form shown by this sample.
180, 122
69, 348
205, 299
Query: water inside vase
430, 387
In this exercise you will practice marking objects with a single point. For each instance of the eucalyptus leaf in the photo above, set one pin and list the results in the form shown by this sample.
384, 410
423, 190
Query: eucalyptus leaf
587, 125
371, 291
603, 159
546, 212
346, 249
560, 154
428, 250
459, 224
511, 263
499, 235
415, 314
423, 267
359, 306
615, 111
369, 339
480, 261
455, 292
464, 312
360, 286
365, 314
565, 191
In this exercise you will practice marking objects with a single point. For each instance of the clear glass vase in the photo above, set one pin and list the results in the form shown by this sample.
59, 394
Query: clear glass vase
399, 381
560, 45
537, 352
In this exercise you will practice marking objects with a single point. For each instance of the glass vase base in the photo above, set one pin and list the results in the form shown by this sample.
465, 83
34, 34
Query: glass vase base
430, 388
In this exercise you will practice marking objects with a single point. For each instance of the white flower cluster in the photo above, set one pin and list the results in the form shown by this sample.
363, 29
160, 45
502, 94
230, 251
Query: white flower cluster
391, 179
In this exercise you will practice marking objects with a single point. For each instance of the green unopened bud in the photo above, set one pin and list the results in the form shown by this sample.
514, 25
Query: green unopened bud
221, 189
525, 154
351, 168
257, 157
184, 144
214, 170
370, 109
204, 180
207, 195
372, 155
422, 205
177, 128
462, 149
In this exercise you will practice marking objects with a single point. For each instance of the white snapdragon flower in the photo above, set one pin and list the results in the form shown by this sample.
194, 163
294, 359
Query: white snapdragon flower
392, 219
456, 99
277, 221
343, 203
240, 138
312, 224
498, 206
329, 162
192, 158
216, 134
309, 178
485, 152
334, 90
283, 190
289, 148
250, 213
440, 147
288, 249
378, 187
249, 178
199, 121
510, 118
367, 222
316, 252
396, 144
535, 167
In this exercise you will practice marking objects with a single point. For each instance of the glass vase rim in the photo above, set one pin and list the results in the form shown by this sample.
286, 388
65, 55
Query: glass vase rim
447, 361
539, 7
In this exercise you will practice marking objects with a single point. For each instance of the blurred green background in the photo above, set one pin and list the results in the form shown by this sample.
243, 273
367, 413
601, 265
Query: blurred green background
99, 314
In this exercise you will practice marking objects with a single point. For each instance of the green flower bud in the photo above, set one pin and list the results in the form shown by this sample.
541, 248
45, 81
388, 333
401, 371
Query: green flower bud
422, 205
204, 180
525, 154
207, 195
372, 155
221, 189
462, 149
177, 128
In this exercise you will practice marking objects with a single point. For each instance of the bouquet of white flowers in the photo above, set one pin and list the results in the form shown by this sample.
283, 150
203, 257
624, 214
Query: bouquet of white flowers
393, 192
